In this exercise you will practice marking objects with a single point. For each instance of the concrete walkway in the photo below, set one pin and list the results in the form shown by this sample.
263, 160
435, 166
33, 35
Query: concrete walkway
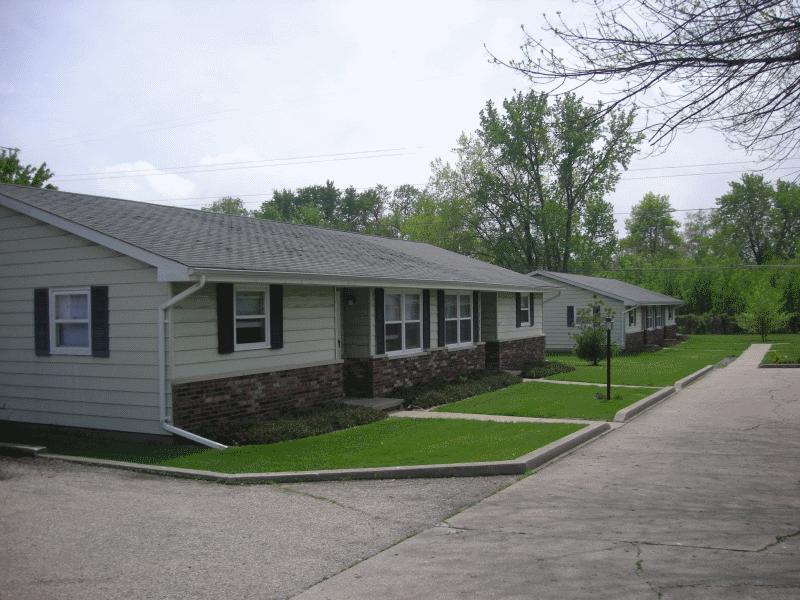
697, 498
425, 414
616, 385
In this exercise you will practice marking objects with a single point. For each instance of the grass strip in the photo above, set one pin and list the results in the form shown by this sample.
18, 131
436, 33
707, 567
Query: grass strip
533, 399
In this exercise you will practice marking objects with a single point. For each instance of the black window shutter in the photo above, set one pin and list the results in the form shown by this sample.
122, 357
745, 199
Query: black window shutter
380, 334
100, 345
276, 316
570, 316
518, 298
225, 318
426, 319
41, 321
476, 321
440, 318
530, 309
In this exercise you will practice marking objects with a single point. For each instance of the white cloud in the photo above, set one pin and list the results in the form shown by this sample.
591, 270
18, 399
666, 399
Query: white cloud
151, 184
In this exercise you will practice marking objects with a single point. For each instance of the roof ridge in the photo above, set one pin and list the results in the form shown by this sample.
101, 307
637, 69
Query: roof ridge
217, 214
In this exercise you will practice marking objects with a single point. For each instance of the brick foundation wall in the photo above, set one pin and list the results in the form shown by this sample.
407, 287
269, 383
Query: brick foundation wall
634, 342
201, 403
655, 337
671, 332
380, 376
514, 354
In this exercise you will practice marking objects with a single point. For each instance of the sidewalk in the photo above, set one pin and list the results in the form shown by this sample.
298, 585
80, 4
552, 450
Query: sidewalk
697, 498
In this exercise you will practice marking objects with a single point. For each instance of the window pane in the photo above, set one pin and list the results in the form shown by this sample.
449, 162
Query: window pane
249, 303
450, 307
524, 301
412, 307
466, 330
412, 335
72, 335
250, 331
394, 340
451, 332
72, 306
391, 307
524, 316
465, 306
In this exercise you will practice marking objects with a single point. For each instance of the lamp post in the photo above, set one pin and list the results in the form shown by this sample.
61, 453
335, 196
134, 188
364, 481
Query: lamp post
609, 325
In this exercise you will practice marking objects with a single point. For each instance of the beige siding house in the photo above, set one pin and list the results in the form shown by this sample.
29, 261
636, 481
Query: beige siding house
641, 317
135, 317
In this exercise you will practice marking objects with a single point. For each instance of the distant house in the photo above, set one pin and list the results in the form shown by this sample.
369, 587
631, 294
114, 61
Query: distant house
642, 317
136, 317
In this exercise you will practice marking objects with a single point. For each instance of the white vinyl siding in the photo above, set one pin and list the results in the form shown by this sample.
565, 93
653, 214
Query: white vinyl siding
555, 315
119, 392
309, 335
499, 318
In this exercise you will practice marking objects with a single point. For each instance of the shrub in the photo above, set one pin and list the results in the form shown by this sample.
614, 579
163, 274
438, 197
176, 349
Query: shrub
300, 424
764, 313
545, 369
590, 339
428, 396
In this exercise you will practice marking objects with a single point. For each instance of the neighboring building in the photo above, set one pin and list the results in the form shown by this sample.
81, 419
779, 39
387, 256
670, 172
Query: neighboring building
136, 317
642, 318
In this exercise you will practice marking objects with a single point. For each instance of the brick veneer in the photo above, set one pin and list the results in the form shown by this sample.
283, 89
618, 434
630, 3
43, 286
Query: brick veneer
514, 354
634, 342
380, 376
671, 332
201, 403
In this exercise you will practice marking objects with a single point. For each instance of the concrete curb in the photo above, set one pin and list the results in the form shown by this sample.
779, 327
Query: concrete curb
682, 383
517, 466
17, 450
626, 414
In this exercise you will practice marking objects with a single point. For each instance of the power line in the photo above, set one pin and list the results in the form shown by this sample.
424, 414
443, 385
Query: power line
707, 268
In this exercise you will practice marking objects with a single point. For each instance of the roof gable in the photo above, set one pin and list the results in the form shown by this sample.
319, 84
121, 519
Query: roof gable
613, 288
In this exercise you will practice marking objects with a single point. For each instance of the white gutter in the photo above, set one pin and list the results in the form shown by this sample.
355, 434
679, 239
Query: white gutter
162, 369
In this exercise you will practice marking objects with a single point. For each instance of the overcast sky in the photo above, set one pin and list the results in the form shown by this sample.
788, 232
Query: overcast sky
292, 92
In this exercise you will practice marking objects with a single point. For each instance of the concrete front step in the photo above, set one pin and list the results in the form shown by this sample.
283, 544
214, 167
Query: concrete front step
386, 404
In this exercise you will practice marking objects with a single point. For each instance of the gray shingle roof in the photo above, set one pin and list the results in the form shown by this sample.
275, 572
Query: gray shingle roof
629, 293
204, 240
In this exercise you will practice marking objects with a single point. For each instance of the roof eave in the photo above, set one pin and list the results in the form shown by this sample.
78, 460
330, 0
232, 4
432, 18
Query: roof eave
243, 275
629, 301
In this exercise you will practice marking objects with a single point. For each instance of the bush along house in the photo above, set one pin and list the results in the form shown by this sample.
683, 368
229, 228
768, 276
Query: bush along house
127, 316
642, 318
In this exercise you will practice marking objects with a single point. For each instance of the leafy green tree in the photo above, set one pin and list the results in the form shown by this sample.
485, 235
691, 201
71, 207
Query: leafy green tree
227, 205
698, 235
744, 218
764, 313
532, 169
590, 339
13, 171
652, 231
786, 219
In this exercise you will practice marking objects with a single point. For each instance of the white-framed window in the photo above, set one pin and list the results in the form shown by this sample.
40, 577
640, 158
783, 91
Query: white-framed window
70, 321
659, 316
250, 317
402, 320
457, 318
632, 317
525, 309
670, 313
650, 312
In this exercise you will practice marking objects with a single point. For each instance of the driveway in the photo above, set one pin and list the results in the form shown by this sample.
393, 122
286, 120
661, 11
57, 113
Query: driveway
697, 498
70, 531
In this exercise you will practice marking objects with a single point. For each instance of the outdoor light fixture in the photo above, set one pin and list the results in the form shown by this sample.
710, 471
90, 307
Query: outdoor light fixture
609, 325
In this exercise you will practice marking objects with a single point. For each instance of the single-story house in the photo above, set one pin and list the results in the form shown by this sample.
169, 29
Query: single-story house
641, 317
128, 316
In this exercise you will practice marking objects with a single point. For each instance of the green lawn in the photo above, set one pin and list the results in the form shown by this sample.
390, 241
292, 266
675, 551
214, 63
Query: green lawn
787, 349
386, 443
664, 367
549, 400
390, 442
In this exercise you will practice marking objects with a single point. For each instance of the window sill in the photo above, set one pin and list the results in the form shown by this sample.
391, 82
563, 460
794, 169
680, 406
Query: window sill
70, 351
404, 353
257, 346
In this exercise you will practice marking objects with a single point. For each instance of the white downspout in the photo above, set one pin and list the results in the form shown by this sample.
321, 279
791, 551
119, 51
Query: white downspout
162, 369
